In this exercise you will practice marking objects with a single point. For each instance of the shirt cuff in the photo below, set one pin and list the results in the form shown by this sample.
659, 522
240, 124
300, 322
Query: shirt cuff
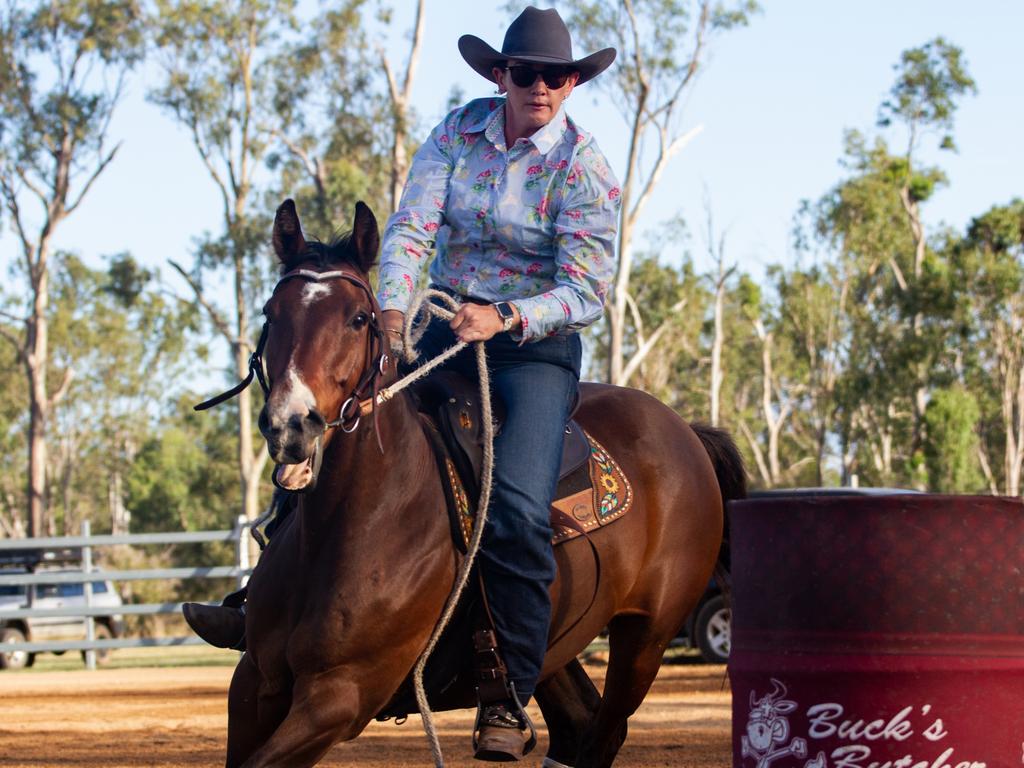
539, 316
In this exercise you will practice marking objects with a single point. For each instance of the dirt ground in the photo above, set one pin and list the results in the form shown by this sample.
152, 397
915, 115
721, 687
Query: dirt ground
171, 717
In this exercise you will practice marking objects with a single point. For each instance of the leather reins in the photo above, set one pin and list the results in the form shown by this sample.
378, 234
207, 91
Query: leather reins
364, 394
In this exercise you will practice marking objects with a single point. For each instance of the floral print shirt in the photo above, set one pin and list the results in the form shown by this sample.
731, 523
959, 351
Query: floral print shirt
533, 224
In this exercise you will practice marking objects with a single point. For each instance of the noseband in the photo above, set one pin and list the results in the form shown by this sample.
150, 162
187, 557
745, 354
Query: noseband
369, 381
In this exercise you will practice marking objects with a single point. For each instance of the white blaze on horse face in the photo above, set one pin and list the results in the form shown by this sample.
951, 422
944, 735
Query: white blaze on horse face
313, 291
296, 397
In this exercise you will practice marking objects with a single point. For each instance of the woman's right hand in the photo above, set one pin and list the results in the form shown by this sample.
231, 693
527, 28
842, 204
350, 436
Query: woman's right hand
394, 328
394, 320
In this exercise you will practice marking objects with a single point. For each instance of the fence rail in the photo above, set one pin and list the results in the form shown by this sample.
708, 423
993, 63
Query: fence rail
88, 576
147, 574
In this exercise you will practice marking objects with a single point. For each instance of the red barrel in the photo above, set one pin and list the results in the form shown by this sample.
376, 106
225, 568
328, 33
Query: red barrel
878, 632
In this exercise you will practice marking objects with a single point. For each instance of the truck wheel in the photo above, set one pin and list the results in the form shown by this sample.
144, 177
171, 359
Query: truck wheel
102, 632
13, 659
713, 630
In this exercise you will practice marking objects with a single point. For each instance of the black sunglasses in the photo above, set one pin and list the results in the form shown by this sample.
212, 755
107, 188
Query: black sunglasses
554, 77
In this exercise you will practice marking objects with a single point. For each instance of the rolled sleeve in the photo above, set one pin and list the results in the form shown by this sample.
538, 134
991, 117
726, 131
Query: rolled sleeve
584, 240
411, 231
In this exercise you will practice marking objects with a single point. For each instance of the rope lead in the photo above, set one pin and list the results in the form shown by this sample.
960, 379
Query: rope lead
412, 336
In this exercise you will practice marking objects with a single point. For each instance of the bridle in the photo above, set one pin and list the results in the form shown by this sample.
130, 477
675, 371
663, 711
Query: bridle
364, 394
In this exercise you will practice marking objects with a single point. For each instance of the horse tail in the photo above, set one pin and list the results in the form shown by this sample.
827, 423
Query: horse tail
729, 469
732, 482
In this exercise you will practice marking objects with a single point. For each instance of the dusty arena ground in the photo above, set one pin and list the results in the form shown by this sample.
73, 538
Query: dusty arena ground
59, 715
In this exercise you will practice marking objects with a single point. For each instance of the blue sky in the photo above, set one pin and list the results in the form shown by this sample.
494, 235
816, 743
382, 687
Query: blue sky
773, 103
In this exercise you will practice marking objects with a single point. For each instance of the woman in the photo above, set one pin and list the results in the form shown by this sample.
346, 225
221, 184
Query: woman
517, 207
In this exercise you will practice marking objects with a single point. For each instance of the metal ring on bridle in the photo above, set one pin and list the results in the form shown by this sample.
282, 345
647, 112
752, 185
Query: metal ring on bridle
341, 416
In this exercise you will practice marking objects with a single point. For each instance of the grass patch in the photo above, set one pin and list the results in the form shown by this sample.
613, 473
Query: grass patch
128, 658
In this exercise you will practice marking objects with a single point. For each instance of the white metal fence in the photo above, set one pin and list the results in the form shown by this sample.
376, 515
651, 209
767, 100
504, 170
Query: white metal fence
87, 543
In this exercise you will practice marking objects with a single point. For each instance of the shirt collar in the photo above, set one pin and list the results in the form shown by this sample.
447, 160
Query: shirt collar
547, 136
492, 124
485, 123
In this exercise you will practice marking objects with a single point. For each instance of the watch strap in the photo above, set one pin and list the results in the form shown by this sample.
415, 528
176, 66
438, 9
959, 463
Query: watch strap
506, 313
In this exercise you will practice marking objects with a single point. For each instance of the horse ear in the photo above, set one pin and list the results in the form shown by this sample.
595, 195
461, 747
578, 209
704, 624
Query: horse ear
288, 239
365, 236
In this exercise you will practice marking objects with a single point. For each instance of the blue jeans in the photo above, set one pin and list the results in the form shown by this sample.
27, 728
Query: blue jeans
538, 383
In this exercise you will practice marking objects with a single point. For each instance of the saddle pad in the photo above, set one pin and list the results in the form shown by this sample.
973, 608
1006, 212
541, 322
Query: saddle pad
595, 495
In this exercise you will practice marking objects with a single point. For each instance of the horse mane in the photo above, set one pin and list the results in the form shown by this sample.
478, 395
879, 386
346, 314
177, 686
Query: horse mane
336, 251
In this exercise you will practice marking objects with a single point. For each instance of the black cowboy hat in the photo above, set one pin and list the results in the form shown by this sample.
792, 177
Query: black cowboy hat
535, 37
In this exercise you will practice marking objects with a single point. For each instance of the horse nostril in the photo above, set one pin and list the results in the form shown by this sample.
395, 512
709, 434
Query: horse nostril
263, 422
315, 420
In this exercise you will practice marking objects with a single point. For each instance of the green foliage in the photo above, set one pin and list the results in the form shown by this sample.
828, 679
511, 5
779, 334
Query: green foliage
183, 477
951, 451
51, 100
329, 104
13, 449
904, 296
929, 80
675, 299
127, 346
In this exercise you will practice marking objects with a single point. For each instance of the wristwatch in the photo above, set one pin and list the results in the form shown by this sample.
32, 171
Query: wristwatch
506, 313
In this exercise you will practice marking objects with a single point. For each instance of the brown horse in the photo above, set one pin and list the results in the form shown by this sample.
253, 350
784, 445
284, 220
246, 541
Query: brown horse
349, 590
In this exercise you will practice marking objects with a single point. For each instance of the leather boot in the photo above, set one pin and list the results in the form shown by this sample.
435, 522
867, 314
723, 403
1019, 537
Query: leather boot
501, 736
222, 626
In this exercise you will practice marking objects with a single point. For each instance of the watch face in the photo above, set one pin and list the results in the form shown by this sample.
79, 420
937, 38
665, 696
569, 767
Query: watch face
504, 310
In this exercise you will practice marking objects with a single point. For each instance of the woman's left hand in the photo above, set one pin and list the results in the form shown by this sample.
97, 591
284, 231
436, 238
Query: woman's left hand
477, 322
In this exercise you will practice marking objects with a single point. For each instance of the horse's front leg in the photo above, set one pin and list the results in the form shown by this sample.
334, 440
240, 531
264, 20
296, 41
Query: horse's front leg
255, 708
243, 730
326, 708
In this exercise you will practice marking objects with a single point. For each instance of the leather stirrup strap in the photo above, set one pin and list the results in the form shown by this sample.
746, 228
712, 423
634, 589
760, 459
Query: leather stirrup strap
489, 668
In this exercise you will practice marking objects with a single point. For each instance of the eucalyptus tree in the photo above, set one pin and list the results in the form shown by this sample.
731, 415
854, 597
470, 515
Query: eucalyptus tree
667, 306
400, 96
63, 67
814, 318
218, 60
769, 381
901, 305
861, 223
335, 122
663, 47
127, 340
181, 477
13, 420
923, 100
988, 268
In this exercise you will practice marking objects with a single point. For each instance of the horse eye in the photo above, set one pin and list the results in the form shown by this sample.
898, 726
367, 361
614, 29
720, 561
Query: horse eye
359, 321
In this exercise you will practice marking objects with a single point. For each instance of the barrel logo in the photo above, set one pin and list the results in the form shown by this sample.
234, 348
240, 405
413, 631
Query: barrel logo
768, 731
839, 740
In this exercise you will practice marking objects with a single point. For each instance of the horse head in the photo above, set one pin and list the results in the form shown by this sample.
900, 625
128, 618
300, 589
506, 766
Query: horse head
324, 348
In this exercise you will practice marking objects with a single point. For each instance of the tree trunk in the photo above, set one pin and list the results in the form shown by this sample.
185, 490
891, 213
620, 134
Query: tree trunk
400, 109
37, 352
617, 316
399, 162
250, 496
716, 347
920, 368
